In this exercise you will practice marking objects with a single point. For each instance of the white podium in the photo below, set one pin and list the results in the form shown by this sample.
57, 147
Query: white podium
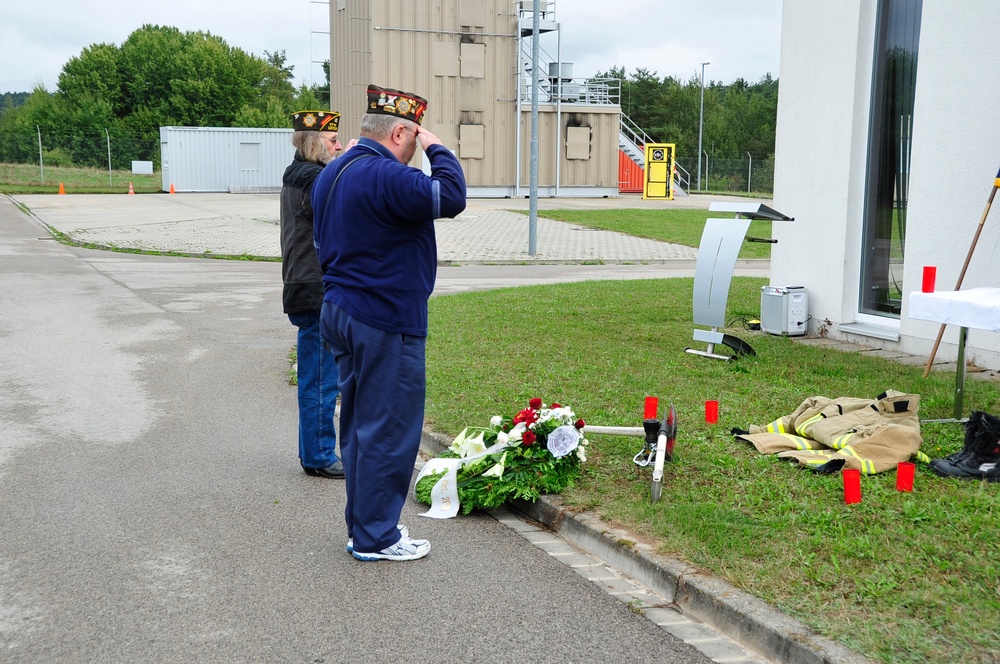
713, 271
978, 308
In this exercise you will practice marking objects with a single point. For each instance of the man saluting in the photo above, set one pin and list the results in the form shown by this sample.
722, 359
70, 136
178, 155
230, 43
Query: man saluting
377, 249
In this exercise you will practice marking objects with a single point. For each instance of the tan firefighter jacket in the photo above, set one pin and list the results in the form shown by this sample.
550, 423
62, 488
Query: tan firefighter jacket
871, 435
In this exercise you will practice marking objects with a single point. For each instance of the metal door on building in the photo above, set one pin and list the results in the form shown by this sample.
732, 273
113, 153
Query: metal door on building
659, 181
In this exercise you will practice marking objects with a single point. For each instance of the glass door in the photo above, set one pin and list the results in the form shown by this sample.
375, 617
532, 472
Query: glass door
893, 84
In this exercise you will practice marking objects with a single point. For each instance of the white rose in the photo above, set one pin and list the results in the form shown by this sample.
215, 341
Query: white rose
563, 440
564, 414
496, 421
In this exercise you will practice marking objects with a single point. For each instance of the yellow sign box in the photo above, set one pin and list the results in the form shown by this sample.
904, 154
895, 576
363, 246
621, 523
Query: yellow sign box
658, 181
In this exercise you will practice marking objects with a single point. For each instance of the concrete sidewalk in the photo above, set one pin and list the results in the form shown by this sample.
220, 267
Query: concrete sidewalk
488, 232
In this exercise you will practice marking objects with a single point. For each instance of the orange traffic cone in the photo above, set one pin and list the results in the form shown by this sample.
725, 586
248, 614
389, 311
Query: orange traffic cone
171, 187
130, 189
62, 190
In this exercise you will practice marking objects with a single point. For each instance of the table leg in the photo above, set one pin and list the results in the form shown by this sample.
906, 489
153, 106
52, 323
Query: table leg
963, 334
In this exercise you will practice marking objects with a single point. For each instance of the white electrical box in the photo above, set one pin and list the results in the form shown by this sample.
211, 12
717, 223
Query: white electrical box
784, 310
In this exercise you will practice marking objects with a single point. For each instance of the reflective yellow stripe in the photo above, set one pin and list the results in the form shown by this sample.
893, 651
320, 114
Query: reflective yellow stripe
867, 466
849, 451
777, 426
921, 457
841, 441
807, 424
799, 442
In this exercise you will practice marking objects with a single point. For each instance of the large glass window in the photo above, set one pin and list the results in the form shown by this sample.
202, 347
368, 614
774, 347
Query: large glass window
897, 35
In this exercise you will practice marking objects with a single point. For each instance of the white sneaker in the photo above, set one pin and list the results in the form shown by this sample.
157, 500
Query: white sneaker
403, 532
404, 549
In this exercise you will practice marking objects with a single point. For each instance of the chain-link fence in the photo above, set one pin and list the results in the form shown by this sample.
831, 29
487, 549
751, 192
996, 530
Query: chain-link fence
54, 148
748, 174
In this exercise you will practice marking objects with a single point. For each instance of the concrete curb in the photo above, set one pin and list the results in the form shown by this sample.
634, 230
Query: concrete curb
749, 621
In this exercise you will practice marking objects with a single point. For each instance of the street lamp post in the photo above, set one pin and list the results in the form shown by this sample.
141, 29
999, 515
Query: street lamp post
701, 119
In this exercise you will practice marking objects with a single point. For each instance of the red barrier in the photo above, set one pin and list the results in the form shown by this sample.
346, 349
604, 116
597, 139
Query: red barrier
630, 175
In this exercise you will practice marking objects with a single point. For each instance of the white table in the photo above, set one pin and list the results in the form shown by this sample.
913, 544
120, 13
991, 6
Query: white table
977, 308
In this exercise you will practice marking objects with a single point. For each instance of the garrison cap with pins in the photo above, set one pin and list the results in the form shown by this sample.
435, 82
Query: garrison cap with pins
315, 120
386, 101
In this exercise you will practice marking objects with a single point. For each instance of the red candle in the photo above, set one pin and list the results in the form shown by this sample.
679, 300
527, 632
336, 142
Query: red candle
852, 485
712, 411
904, 476
649, 411
930, 274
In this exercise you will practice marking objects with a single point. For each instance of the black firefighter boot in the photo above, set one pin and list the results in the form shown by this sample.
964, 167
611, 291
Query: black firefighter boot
979, 457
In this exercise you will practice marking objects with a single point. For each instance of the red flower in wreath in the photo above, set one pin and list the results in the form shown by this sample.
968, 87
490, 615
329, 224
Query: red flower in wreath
535, 403
528, 416
528, 437
555, 405
579, 424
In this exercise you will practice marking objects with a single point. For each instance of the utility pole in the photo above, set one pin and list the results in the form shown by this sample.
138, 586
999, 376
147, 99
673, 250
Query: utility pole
701, 119
533, 174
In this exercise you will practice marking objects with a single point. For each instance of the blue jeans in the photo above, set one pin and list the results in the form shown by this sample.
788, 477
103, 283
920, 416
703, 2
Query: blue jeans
317, 393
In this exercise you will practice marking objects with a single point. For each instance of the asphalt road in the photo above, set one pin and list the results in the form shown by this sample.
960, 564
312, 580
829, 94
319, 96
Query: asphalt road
152, 508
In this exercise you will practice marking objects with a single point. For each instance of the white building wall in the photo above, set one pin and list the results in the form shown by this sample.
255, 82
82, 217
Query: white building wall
822, 134
956, 154
821, 163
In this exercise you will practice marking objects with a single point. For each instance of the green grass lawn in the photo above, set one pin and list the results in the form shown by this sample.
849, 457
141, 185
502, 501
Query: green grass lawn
27, 179
900, 577
675, 226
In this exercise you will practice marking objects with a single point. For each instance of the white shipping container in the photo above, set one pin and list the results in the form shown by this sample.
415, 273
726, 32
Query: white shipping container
227, 159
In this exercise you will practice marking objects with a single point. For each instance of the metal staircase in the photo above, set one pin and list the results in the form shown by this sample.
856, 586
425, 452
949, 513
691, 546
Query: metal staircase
632, 141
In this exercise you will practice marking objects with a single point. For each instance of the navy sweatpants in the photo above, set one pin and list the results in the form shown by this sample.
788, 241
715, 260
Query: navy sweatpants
382, 390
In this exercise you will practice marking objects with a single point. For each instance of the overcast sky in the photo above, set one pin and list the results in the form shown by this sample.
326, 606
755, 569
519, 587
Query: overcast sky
740, 38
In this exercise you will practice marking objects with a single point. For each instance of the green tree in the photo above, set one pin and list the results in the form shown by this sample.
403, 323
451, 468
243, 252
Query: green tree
738, 118
272, 114
93, 75
323, 91
12, 100
278, 76
19, 127
308, 97
159, 76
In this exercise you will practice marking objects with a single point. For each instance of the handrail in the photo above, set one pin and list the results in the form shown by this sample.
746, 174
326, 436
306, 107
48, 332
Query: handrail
684, 179
634, 131
543, 56
591, 90
640, 139
544, 6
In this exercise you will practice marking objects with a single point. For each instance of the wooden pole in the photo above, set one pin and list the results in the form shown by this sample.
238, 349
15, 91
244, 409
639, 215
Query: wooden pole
965, 266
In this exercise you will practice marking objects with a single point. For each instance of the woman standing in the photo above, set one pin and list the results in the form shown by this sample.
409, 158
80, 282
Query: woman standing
315, 141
